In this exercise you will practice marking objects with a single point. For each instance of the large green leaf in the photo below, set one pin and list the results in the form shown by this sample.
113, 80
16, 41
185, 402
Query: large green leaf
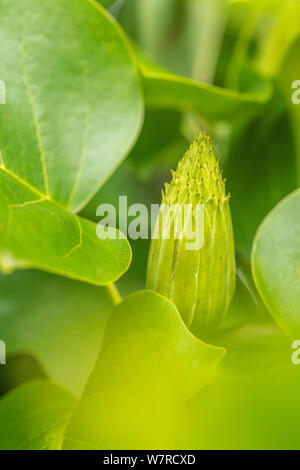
149, 365
58, 321
163, 89
38, 232
276, 263
67, 124
34, 416
74, 105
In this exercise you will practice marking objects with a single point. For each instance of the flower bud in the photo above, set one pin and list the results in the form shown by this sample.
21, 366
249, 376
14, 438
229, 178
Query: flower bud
191, 258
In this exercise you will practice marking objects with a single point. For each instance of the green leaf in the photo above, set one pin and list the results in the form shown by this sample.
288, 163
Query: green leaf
288, 81
34, 416
276, 263
69, 118
163, 89
149, 365
58, 321
254, 411
183, 36
258, 177
106, 3
158, 145
38, 232
252, 401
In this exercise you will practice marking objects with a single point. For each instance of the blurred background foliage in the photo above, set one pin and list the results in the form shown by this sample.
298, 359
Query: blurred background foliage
53, 327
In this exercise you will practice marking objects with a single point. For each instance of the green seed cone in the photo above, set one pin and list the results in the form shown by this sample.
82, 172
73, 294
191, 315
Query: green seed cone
200, 282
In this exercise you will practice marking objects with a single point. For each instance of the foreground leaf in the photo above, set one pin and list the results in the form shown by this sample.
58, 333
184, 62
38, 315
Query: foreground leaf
58, 321
36, 231
34, 416
149, 365
257, 411
276, 263
69, 119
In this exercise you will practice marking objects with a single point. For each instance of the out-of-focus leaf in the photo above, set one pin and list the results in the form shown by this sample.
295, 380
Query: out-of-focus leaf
22, 368
261, 170
69, 119
258, 412
183, 36
58, 321
34, 416
149, 365
252, 401
106, 3
290, 85
37, 232
276, 263
166, 90
279, 31
160, 142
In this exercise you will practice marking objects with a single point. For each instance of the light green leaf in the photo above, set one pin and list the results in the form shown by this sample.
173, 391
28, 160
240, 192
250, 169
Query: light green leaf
166, 90
57, 321
38, 232
254, 411
74, 104
149, 365
34, 416
252, 401
276, 263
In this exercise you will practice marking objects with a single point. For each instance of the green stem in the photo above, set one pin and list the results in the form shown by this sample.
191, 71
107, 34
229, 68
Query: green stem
114, 293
